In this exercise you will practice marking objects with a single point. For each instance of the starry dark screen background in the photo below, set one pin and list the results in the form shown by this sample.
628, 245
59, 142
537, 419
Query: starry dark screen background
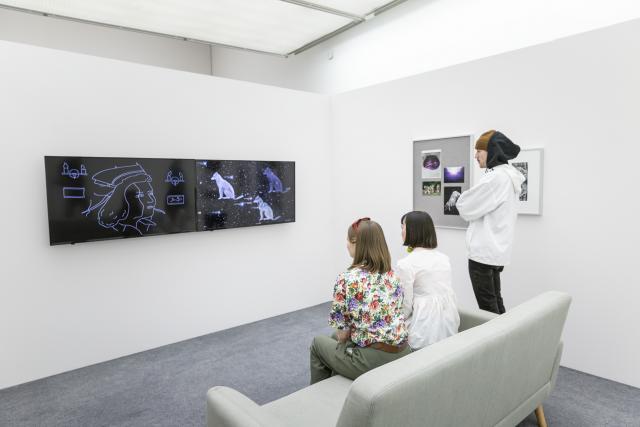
248, 181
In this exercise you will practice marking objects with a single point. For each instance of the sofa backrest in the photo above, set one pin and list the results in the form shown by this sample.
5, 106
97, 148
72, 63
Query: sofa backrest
474, 378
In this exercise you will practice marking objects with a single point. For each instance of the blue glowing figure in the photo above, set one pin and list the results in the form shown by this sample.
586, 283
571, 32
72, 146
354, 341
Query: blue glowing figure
225, 189
266, 213
73, 192
174, 180
275, 184
73, 173
129, 202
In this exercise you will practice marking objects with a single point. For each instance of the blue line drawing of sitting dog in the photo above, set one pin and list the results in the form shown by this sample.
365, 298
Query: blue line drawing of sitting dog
275, 184
266, 213
225, 189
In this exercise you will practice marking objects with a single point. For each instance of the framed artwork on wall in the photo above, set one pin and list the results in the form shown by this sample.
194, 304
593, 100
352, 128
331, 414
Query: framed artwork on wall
530, 163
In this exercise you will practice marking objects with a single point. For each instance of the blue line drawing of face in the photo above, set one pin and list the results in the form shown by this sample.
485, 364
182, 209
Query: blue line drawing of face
129, 203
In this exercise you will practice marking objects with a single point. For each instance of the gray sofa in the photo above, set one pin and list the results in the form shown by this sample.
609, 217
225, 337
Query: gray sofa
495, 372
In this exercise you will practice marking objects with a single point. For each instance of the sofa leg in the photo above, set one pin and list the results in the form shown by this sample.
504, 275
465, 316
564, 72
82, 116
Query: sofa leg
540, 416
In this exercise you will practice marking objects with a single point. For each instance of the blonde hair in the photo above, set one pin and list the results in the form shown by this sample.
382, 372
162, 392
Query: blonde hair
372, 253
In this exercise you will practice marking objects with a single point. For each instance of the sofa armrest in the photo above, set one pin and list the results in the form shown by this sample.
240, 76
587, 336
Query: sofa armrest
471, 317
227, 407
556, 365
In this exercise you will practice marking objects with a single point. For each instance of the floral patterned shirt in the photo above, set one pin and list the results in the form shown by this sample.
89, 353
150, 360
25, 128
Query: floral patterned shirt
370, 304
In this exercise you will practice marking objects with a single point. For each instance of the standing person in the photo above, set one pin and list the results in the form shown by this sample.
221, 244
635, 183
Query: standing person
366, 311
490, 206
429, 305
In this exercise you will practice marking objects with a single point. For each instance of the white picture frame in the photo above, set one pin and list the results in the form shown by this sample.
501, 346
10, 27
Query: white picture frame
530, 162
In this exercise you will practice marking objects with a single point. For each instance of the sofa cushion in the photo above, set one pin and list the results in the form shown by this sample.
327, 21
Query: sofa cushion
477, 377
316, 405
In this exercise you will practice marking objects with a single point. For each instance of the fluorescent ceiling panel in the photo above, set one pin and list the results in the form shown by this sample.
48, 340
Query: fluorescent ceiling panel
355, 7
266, 25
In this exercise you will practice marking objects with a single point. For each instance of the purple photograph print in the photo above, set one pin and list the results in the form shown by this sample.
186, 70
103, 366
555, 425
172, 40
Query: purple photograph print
431, 164
454, 174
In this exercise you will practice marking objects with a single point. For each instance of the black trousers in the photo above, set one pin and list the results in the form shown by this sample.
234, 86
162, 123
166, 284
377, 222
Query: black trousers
486, 286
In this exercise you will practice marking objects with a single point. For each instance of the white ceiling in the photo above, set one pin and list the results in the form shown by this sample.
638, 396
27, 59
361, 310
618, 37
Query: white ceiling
355, 7
274, 26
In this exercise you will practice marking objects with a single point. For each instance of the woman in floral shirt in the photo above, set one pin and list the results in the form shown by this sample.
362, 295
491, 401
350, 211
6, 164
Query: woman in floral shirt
366, 311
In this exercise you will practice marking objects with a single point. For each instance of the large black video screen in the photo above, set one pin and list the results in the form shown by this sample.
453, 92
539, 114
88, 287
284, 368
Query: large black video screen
238, 193
96, 198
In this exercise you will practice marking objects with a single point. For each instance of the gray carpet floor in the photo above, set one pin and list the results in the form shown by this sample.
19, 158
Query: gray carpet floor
264, 360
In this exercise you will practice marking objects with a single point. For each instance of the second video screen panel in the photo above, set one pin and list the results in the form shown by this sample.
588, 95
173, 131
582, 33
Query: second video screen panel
237, 193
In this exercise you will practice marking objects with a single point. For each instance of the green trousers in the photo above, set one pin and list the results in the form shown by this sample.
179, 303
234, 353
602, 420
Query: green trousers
328, 357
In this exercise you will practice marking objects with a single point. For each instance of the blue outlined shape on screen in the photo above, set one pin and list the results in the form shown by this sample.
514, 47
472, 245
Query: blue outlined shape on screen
129, 202
266, 212
174, 179
73, 192
275, 184
175, 199
225, 189
73, 173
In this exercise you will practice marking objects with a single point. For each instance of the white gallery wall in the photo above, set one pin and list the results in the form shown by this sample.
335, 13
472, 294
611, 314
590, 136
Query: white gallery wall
579, 99
65, 307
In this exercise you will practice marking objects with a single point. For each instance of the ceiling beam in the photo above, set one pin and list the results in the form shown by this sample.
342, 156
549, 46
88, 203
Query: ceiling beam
323, 38
326, 37
386, 7
325, 9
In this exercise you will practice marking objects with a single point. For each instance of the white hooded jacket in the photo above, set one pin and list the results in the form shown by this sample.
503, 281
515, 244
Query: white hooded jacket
490, 207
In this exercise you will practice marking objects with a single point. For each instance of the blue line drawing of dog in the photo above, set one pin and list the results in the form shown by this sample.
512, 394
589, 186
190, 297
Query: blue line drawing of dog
275, 184
225, 189
266, 213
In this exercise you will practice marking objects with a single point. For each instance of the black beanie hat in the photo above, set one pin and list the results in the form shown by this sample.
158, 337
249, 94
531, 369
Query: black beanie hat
500, 150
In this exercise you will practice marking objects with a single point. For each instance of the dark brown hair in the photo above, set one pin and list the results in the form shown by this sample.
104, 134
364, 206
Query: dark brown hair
372, 253
419, 230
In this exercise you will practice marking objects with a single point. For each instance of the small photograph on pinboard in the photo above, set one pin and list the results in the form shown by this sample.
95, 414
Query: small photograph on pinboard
451, 195
454, 174
431, 188
431, 164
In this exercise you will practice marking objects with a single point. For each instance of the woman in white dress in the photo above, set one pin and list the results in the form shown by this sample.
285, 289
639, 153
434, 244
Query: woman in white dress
429, 305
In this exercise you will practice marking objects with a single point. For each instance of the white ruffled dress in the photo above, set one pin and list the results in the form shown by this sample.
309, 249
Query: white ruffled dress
430, 304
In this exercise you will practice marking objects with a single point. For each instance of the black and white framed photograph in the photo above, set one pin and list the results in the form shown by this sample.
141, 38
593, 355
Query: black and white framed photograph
530, 163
